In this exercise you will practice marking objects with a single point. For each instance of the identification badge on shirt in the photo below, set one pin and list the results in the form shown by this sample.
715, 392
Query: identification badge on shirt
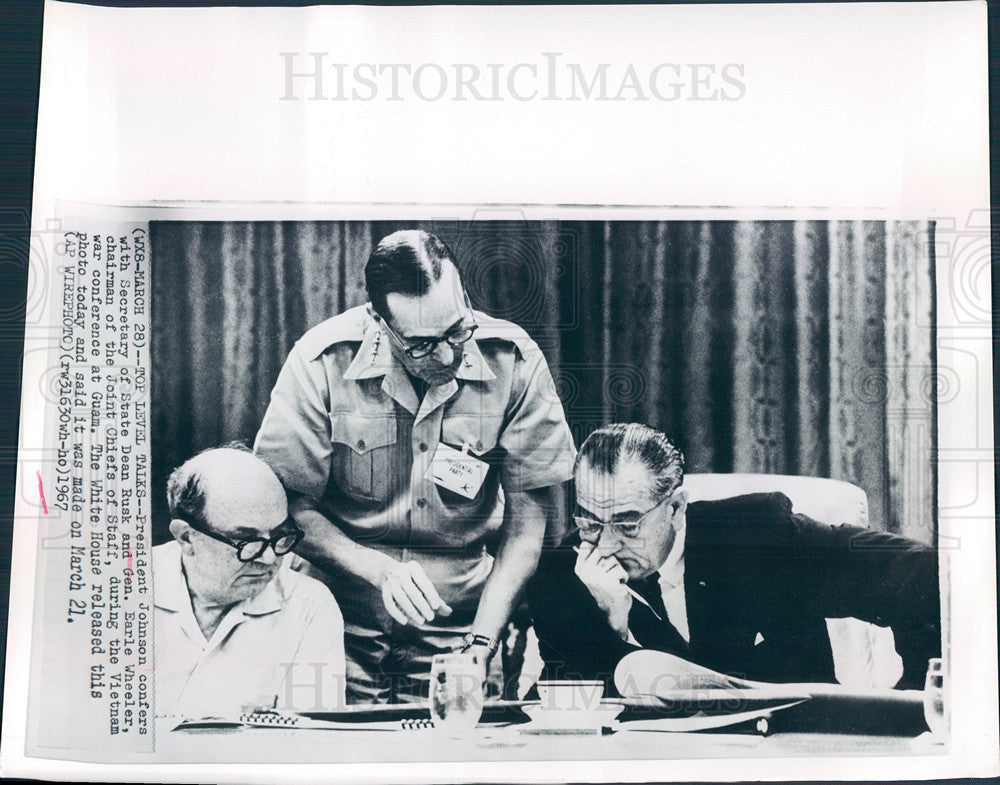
457, 471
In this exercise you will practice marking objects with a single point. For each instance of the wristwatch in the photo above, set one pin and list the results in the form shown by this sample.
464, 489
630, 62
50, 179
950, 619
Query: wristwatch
476, 639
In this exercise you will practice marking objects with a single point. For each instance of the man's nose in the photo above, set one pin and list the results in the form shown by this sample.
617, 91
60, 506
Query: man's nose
268, 556
444, 353
609, 542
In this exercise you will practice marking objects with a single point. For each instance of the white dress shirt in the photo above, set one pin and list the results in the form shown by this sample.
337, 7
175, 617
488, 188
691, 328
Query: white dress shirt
287, 642
672, 586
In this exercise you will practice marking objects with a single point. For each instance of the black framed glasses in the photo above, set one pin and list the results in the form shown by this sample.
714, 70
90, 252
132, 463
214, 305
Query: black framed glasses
420, 348
590, 529
252, 547
425, 346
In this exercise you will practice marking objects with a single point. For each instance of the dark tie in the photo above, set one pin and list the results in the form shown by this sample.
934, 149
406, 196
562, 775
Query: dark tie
650, 632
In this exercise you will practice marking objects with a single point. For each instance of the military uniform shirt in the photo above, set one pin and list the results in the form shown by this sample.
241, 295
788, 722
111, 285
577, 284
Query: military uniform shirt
345, 428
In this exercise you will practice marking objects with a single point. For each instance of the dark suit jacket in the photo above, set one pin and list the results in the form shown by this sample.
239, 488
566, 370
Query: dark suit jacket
752, 566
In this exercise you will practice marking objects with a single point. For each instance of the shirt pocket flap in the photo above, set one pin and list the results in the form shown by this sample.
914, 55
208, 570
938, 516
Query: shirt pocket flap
479, 433
362, 433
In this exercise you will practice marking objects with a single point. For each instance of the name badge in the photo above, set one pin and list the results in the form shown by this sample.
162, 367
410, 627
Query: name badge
457, 471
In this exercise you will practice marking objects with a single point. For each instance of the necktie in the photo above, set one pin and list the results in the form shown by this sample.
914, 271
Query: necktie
651, 632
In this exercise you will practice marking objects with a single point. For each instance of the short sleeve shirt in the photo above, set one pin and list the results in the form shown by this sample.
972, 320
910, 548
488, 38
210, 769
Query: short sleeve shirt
283, 647
345, 427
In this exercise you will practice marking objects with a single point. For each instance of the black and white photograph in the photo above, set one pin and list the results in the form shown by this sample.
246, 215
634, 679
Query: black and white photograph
680, 471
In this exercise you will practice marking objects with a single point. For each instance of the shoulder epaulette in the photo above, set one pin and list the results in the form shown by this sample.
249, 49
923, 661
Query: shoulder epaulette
493, 329
348, 327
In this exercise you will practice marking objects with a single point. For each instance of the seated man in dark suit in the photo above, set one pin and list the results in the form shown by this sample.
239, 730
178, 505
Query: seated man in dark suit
742, 586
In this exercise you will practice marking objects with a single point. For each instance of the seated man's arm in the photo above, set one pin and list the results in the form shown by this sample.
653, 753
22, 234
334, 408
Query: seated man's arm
880, 578
575, 637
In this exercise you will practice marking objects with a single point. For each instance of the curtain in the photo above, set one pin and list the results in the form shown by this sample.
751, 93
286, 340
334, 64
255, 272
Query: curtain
758, 346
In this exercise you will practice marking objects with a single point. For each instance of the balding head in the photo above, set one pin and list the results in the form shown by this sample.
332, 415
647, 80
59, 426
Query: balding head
231, 493
225, 482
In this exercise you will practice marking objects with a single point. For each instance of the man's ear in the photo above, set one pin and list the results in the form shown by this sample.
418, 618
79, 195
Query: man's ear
181, 532
679, 502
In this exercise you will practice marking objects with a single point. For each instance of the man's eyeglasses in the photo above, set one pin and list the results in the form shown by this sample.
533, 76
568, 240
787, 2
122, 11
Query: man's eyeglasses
249, 549
590, 529
423, 347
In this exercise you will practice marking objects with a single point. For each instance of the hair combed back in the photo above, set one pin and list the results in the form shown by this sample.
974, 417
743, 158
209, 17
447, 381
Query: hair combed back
406, 262
610, 444
186, 487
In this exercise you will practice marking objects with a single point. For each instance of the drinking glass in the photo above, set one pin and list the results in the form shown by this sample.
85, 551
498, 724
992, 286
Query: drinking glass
934, 698
456, 690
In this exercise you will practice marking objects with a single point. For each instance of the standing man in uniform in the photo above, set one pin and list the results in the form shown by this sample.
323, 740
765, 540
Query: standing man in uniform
416, 437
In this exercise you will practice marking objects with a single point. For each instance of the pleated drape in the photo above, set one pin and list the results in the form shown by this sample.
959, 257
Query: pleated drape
759, 346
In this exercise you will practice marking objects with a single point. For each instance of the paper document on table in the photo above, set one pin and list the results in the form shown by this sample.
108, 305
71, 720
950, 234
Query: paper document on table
705, 721
650, 672
691, 694
667, 676
288, 720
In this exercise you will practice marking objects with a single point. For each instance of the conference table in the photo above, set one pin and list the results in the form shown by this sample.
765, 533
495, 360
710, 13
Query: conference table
845, 723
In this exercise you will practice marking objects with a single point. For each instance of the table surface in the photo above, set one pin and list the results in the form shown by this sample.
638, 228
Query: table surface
278, 745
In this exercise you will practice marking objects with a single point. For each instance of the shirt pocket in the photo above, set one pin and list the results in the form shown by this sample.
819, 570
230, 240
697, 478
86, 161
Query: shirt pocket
480, 433
362, 453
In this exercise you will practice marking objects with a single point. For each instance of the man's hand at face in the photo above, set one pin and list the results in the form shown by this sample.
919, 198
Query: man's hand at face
605, 579
408, 593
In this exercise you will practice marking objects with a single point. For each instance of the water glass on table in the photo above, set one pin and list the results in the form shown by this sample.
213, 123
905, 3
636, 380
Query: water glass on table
456, 690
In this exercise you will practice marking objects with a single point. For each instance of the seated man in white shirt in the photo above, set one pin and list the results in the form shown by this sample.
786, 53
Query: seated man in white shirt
232, 629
